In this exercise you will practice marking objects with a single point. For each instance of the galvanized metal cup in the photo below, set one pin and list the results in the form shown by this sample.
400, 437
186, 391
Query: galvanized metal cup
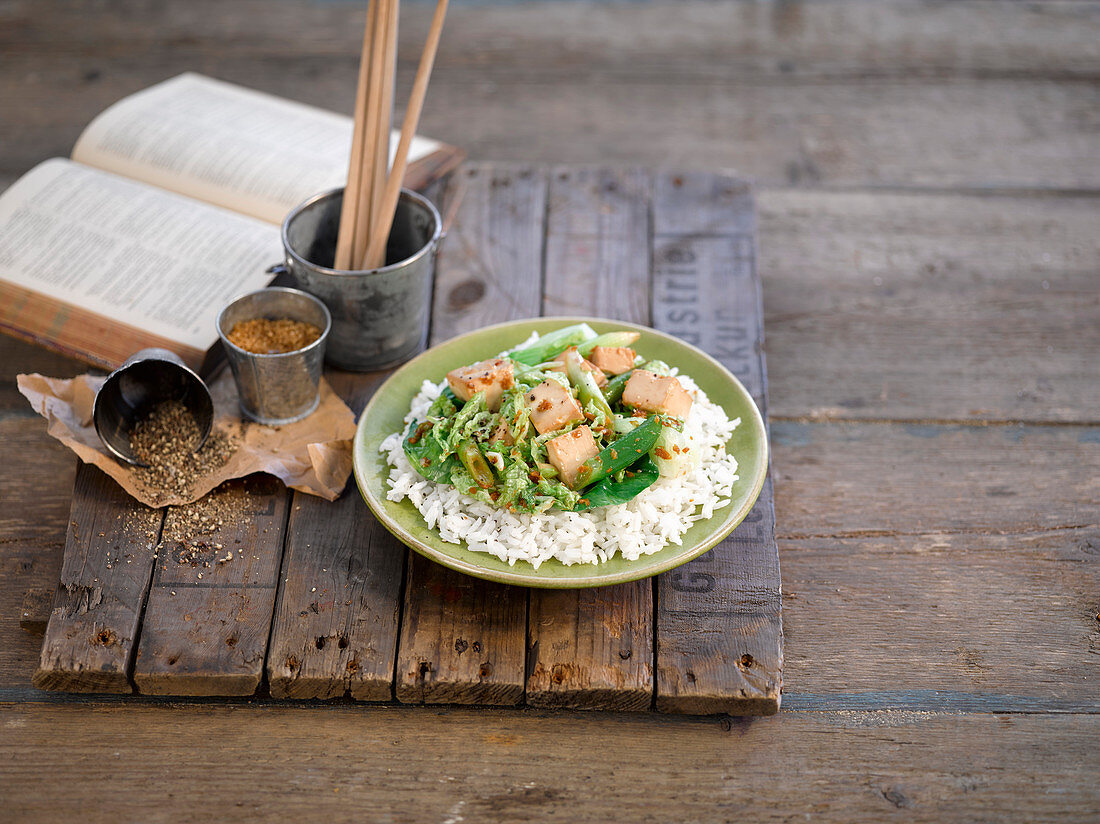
379, 316
280, 388
146, 379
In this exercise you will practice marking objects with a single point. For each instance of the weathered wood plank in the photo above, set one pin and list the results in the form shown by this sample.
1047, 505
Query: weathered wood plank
489, 266
20, 358
462, 639
597, 243
847, 480
496, 765
720, 633
989, 617
898, 39
856, 93
335, 626
208, 617
593, 649
719, 624
995, 565
109, 557
931, 307
34, 612
36, 486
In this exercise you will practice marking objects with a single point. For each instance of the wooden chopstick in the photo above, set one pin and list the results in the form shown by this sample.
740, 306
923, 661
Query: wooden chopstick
386, 113
383, 222
350, 205
365, 214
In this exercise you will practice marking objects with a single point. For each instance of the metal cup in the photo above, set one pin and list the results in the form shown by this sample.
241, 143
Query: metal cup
379, 316
147, 378
283, 387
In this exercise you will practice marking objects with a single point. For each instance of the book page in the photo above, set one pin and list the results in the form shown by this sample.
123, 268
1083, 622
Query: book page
231, 146
154, 260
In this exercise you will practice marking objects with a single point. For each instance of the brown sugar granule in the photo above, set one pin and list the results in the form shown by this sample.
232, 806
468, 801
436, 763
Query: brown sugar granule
265, 336
165, 440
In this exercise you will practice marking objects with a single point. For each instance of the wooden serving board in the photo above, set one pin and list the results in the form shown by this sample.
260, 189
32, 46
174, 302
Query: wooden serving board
321, 602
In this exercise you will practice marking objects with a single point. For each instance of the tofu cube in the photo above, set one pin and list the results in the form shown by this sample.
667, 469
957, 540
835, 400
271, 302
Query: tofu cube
502, 435
601, 378
552, 406
653, 393
491, 377
613, 359
568, 452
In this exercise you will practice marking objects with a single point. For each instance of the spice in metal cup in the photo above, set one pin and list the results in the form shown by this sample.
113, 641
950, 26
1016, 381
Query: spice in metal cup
281, 387
379, 316
146, 380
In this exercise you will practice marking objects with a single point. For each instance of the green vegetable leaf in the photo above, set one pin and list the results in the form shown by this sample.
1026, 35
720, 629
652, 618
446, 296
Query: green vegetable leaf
449, 395
515, 483
466, 415
426, 455
657, 367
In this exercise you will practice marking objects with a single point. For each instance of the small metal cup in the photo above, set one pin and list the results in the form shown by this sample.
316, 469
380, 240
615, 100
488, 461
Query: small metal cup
280, 388
379, 316
147, 378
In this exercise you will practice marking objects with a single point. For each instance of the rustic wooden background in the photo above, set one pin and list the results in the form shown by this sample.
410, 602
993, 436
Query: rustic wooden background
930, 246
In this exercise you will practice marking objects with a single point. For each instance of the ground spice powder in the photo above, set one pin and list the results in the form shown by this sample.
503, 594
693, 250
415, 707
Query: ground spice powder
166, 440
191, 532
264, 336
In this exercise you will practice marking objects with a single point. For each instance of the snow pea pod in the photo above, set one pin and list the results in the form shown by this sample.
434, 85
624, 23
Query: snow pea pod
610, 492
621, 454
614, 389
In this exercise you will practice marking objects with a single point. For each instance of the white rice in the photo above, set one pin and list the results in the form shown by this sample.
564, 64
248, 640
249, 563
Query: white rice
657, 517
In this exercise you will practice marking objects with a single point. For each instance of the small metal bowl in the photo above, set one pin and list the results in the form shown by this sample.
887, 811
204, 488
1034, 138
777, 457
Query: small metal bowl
380, 316
279, 388
147, 378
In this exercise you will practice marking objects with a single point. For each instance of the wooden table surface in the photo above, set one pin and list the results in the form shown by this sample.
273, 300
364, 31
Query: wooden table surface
930, 249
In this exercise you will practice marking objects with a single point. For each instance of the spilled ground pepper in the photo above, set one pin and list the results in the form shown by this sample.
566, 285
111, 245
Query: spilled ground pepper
195, 533
165, 440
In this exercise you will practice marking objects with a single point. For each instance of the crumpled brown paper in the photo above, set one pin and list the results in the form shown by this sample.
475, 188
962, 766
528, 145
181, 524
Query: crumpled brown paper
311, 455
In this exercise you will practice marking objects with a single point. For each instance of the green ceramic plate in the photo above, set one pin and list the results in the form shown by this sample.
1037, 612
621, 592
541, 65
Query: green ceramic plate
386, 412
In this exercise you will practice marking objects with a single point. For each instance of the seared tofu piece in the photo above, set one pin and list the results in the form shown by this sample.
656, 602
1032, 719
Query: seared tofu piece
601, 378
613, 359
502, 435
653, 393
552, 406
568, 452
491, 377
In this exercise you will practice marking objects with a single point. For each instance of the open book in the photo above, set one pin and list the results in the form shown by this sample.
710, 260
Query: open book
169, 207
